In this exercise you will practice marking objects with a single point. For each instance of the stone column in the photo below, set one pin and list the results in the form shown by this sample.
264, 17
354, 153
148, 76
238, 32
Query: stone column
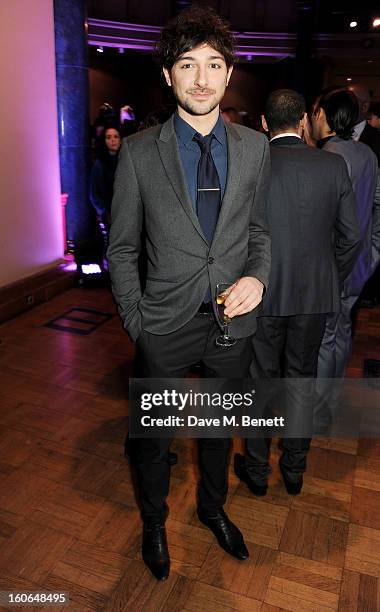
73, 116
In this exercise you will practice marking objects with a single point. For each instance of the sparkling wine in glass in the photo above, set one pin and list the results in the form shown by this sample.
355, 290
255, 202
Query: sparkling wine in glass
221, 293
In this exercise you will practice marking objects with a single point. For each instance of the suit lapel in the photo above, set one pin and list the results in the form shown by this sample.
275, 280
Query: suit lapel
235, 154
169, 154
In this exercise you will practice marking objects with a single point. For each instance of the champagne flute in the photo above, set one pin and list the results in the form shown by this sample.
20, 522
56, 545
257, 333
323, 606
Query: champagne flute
221, 294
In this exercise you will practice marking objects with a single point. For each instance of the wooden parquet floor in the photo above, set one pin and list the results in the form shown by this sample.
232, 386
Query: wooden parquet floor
68, 519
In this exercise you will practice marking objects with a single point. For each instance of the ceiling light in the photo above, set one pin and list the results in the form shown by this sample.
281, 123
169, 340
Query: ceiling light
99, 49
376, 22
349, 79
353, 24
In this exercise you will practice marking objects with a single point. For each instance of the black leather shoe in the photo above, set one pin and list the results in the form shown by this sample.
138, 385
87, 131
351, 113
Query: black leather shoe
155, 550
293, 488
228, 535
241, 472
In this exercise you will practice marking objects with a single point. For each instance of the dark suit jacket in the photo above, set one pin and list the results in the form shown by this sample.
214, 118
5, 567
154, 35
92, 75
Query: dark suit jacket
314, 229
371, 137
150, 188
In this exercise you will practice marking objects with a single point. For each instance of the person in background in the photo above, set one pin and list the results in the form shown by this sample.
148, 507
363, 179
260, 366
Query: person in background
315, 240
333, 121
370, 135
230, 114
103, 174
156, 117
128, 122
106, 118
363, 131
374, 115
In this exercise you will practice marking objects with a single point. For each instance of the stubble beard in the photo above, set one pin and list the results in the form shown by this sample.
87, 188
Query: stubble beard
197, 109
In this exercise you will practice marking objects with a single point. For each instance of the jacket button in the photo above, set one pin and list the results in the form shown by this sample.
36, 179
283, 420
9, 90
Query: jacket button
210, 260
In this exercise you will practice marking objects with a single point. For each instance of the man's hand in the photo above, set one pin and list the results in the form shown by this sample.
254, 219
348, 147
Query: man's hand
243, 296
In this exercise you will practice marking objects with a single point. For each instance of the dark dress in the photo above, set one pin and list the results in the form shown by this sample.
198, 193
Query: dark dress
101, 184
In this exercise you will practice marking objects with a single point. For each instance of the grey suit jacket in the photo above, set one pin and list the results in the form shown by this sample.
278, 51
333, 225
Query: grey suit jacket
363, 171
151, 192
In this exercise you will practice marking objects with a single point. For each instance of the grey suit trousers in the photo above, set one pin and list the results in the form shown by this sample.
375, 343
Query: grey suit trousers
336, 345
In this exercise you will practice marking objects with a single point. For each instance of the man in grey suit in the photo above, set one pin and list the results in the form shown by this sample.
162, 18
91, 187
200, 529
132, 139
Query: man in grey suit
333, 120
315, 240
369, 135
196, 187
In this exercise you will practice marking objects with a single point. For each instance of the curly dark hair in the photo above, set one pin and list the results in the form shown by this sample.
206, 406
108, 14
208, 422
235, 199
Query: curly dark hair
194, 26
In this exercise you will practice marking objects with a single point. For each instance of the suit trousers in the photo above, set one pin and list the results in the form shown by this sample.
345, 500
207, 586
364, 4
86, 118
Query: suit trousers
171, 356
335, 349
285, 347
334, 354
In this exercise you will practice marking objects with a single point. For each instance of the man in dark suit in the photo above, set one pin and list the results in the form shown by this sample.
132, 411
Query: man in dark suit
199, 188
310, 200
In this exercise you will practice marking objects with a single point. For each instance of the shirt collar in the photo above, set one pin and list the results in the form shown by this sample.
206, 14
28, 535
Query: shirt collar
285, 134
358, 129
186, 132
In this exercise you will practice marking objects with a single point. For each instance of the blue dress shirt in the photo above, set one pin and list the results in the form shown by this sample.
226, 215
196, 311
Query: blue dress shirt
190, 154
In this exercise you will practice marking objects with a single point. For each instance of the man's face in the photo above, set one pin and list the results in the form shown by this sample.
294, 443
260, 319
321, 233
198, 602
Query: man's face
363, 97
317, 117
374, 120
199, 79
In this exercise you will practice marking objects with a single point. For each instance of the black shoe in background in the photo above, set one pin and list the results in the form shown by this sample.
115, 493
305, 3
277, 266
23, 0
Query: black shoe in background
241, 472
293, 488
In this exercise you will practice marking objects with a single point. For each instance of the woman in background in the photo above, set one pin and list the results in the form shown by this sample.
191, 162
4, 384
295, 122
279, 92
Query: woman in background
103, 174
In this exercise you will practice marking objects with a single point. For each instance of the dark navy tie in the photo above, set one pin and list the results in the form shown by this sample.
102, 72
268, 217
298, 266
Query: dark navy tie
208, 192
208, 188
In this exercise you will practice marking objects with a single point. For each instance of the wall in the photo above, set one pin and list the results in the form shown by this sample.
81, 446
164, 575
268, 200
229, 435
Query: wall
362, 72
124, 79
135, 80
31, 237
247, 89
